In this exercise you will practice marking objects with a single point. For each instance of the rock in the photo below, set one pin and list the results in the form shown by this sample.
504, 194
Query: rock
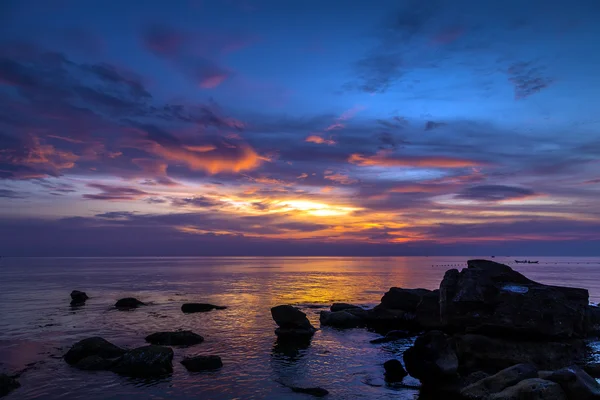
128, 303
177, 338
383, 320
493, 299
428, 311
576, 383
200, 307
342, 306
313, 391
8, 384
94, 346
394, 371
531, 389
147, 361
392, 336
292, 322
480, 390
202, 363
78, 298
593, 369
431, 358
403, 299
592, 320
340, 319
489, 354
94, 363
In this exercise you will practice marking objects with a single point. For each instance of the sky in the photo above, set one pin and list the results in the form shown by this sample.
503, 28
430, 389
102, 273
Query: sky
261, 127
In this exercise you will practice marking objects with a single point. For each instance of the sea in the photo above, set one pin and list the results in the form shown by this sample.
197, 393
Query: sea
37, 324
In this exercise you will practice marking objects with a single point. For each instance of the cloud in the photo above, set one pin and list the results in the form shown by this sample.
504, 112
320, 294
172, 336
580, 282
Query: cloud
339, 178
495, 193
197, 201
528, 79
109, 192
385, 159
430, 125
10, 194
319, 140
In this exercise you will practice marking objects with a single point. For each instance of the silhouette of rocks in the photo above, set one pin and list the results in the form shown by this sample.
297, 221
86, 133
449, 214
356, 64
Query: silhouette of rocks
340, 319
177, 338
432, 358
128, 303
200, 307
78, 298
8, 384
394, 371
535, 389
145, 362
392, 336
93, 346
202, 363
312, 391
342, 306
496, 383
576, 383
292, 323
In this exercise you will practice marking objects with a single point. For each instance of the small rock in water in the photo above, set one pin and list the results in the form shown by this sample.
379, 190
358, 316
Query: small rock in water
145, 362
314, 391
177, 338
292, 323
94, 346
200, 307
78, 298
202, 363
394, 371
340, 319
7, 384
128, 303
392, 336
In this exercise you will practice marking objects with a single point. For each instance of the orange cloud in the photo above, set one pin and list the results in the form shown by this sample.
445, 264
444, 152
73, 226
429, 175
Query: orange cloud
339, 178
384, 159
319, 140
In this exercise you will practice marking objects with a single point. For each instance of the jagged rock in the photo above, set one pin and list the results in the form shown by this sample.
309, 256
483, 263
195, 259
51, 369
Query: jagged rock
128, 303
340, 319
8, 384
576, 383
531, 389
342, 306
78, 298
431, 358
392, 336
292, 322
200, 307
394, 371
493, 299
147, 361
94, 346
202, 363
177, 338
480, 390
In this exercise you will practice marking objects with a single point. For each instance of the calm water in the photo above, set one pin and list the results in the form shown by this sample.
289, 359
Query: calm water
37, 325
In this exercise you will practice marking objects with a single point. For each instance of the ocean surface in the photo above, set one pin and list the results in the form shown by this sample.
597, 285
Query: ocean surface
37, 324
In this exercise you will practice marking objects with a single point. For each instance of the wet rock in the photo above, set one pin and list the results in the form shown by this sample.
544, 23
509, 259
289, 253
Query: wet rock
496, 383
200, 307
340, 319
94, 346
531, 389
394, 371
128, 303
94, 363
431, 359
313, 391
493, 299
342, 306
202, 363
576, 383
177, 338
292, 323
593, 369
78, 297
392, 336
147, 361
8, 384
592, 320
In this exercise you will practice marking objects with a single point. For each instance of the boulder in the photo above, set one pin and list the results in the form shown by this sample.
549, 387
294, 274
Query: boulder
428, 311
94, 346
147, 361
491, 354
576, 383
177, 338
531, 389
483, 388
200, 307
392, 336
340, 319
94, 363
78, 297
593, 369
292, 322
202, 363
394, 371
383, 320
342, 306
493, 299
128, 303
592, 320
8, 384
431, 359
403, 299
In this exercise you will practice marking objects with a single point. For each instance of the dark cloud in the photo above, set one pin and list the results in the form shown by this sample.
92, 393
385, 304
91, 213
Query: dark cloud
528, 79
10, 194
494, 193
430, 125
116, 215
109, 192
198, 201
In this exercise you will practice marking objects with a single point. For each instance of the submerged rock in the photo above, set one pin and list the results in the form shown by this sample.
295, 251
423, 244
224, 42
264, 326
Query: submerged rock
340, 319
94, 346
313, 391
202, 363
78, 297
483, 388
392, 336
200, 307
8, 384
431, 359
177, 338
128, 303
576, 383
147, 361
394, 371
342, 306
292, 322
531, 389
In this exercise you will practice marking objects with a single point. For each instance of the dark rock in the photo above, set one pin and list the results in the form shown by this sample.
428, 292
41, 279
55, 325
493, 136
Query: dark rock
392, 336
489, 354
342, 306
94, 346
531, 389
403, 299
383, 320
576, 383
292, 322
147, 361
592, 320
431, 359
200, 307
313, 391
8, 384
177, 338
394, 371
340, 319
78, 298
593, 369
202, 363
493, 299
496, 383
128, 303
94, 363
428, 311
